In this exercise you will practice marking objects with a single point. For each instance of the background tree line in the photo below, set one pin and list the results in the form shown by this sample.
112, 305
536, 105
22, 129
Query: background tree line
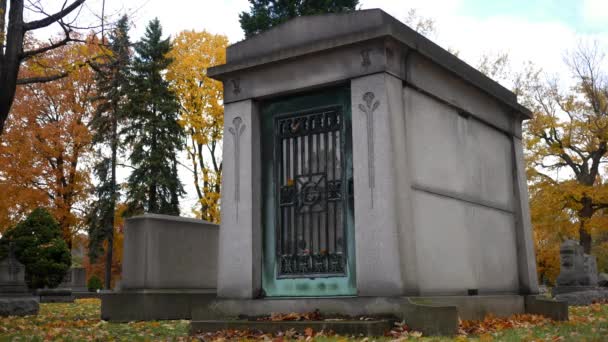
98, 105
123, 106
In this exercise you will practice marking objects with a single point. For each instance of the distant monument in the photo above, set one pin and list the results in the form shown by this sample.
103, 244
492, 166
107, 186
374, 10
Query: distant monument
578, 271
75, 279
15, 299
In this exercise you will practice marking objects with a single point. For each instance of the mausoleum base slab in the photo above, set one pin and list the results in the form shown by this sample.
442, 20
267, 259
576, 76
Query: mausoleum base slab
342, 327
431, 315
147, 305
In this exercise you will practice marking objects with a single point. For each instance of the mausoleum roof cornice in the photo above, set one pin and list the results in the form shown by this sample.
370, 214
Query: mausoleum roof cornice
313, 34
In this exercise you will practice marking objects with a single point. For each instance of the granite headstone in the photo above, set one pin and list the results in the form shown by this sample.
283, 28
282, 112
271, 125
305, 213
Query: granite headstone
15, 298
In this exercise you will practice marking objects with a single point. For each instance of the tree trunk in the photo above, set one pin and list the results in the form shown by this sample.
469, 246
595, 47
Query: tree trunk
584, 215
10, 61
110, 251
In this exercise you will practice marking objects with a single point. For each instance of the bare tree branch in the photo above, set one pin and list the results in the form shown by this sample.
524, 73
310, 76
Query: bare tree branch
33, 25
42, 79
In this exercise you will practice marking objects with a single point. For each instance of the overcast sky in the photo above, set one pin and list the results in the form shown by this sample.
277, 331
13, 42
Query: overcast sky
529, 30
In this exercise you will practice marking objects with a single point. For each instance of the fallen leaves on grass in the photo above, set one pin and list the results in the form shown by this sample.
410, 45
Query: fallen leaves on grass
294, 316
257, 335
402, 332
80, 321
492, 324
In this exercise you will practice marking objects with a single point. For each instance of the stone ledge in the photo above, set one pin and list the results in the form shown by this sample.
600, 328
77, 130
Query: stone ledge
18, 306
342, 327
557, 310
151, 305
429, 318
57, 295
586, 297
558, 290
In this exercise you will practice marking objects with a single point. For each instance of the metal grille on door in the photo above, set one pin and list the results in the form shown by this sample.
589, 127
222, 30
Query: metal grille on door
310, 224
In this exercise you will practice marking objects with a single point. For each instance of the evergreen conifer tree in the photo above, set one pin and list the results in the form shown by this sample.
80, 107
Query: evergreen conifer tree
153, 133
265, 14
39, 245
112, 80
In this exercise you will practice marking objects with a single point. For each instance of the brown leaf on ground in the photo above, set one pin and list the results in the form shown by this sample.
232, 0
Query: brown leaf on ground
492, 324
294, 316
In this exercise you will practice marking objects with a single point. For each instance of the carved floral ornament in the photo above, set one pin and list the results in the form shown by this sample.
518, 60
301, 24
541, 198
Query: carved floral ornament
236, 86
365, 60
368, 108
237, 129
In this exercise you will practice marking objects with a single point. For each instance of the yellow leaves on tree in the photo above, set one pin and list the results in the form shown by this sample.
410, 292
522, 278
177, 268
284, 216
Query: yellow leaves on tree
202, 111
45, 142
566, 145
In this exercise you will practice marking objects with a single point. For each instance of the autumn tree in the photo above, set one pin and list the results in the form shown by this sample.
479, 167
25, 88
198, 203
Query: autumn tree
112, 79
201, 111
152, 131
264, 14
13, 49
46, 142
567, 143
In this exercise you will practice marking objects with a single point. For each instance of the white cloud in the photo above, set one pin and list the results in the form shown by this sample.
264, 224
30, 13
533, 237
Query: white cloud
595, 11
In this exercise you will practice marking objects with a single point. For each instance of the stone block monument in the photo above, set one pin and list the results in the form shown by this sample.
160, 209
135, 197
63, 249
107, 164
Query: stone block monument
15, 298
169, 265
577, 281
75, 279
368, 170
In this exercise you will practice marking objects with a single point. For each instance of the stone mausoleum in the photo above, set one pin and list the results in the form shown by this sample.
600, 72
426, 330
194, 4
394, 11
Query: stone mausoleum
368, 171
362, 159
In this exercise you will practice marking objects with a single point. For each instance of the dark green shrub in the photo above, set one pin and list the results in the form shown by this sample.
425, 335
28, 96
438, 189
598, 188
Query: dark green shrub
40, 247
94, 284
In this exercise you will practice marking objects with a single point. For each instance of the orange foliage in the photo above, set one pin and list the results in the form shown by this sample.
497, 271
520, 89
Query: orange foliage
98, 268
46, 141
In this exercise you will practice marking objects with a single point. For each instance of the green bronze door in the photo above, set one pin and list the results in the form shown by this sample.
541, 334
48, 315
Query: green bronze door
308, 201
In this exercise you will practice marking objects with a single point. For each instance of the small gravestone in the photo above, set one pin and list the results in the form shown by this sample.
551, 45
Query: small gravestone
75, 279
602, 279
578, 278
15, 299
79, 279
572, 265
590, 267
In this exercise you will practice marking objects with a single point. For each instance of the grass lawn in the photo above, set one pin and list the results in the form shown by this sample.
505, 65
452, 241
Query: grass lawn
80, 321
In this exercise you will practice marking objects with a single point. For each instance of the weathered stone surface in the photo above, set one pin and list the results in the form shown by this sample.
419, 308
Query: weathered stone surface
602, 279
572, 266
169, 252
430, 319
145, 305
12, 275
584, 297
341, 327
551, 308
79, 279
18, 306
169, 265
590, 267
75, 279
57, 295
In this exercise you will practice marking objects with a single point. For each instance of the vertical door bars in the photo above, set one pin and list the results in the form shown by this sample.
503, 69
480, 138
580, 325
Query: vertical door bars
310, 224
